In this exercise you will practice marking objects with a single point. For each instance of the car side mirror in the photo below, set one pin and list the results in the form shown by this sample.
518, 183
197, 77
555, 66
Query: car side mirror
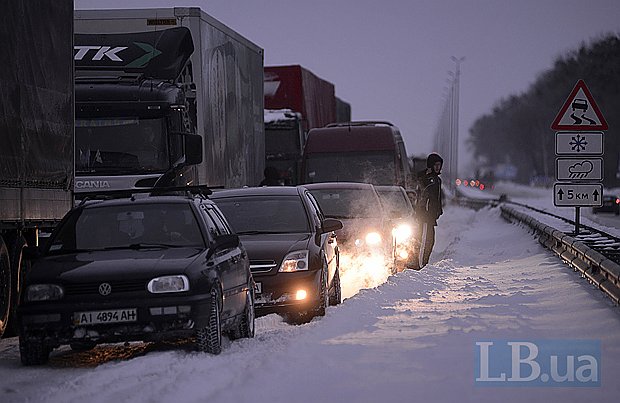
330, 224
223, 242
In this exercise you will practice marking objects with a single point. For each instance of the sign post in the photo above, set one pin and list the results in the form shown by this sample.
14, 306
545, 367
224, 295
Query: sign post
579, 147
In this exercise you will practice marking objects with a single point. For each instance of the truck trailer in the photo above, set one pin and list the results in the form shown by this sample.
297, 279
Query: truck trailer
296, 101
154, 87
36, 134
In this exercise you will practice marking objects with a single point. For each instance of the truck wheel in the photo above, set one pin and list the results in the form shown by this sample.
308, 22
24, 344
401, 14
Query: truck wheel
20, 268
5, 286
336, 297
209, 339
33, 351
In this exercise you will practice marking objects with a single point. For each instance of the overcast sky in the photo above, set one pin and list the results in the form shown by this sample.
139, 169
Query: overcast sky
390, 58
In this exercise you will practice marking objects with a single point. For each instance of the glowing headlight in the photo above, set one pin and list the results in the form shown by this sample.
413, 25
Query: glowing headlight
165, 284
373, 238
295, 261
44, 292
402, 232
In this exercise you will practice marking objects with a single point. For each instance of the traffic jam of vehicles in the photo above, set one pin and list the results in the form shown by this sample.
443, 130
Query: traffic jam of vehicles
155, 226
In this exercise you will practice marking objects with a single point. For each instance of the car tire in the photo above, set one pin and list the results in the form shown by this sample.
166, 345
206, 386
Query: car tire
33, 351
209, 339
82, 345
336, 297
323, 295
246, 327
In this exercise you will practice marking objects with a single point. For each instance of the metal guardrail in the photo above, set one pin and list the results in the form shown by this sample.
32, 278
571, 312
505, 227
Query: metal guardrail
598, 269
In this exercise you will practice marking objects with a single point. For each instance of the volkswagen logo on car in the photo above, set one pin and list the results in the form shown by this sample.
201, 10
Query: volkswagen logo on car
105, 289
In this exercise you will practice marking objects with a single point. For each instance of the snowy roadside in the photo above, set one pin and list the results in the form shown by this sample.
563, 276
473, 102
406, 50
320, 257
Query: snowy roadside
410, 339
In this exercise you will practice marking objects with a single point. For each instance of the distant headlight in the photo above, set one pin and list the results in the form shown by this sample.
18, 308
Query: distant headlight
44, 292
165, 284
373, 238
402, 232
295, 261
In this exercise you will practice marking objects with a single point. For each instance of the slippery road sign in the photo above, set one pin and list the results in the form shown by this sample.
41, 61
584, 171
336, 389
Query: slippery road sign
580, 111
578, 195
579, 169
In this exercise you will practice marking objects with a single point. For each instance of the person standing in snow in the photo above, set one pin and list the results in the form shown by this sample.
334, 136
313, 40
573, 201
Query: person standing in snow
428, 209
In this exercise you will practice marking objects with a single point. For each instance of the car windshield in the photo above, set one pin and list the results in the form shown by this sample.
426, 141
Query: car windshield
348, 203
108, 146
395, 202
129, 226
268, 214
368, 167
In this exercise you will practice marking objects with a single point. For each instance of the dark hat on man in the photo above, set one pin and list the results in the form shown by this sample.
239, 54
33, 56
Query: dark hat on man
432, 159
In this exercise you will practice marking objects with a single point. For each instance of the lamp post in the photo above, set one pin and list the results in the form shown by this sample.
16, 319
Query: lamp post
454, 130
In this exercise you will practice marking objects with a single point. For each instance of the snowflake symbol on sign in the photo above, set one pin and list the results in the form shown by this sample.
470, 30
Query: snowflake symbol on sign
578, 143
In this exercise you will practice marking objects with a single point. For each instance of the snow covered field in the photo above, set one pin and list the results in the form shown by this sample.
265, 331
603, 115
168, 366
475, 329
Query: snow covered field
411, 339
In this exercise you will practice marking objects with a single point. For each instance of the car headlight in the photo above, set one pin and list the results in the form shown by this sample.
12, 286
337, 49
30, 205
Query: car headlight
402, 232
165, 284
373, 238
295, 261
44, 292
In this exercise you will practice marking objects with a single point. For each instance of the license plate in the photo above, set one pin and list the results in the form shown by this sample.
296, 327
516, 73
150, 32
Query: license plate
258, 287
109, 316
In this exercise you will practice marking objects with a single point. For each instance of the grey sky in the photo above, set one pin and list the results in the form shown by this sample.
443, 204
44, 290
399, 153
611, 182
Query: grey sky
390, 58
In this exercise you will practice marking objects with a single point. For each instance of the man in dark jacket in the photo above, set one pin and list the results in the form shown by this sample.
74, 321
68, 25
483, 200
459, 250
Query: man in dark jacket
428, 210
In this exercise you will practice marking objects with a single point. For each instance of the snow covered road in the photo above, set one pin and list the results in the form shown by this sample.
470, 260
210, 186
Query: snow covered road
410, 339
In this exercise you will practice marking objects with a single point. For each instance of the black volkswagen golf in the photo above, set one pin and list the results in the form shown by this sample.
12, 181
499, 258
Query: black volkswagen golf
291, 245
139, 269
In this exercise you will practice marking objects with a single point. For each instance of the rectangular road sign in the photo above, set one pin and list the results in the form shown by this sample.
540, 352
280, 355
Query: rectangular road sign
579, 169
579, 143
578, 195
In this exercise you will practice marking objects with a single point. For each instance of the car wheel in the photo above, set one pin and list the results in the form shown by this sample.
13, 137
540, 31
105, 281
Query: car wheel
323, 295
82, 345
246, 325
209, 339
33, 351
336, 297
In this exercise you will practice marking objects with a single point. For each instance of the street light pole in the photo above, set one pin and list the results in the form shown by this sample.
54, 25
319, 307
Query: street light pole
455, 137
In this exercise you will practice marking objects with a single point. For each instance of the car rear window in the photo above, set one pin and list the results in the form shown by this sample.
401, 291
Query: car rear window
270, 214
105, 227
348, 203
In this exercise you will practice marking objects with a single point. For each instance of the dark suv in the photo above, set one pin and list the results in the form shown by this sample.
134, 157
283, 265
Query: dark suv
137, 269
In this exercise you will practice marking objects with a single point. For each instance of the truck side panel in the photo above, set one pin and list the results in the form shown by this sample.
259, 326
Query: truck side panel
298, 89
36, 111
232, 101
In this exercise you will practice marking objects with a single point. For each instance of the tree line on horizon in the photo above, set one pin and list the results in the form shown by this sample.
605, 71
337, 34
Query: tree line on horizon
518, 129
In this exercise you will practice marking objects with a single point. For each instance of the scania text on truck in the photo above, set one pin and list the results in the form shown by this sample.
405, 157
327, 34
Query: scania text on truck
36, 135
166, 97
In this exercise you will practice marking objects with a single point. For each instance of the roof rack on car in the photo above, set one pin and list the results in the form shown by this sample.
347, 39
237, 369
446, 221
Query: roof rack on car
361, 123
189, 192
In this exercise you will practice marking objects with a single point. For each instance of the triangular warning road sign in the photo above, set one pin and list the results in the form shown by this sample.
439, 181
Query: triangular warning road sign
584, 113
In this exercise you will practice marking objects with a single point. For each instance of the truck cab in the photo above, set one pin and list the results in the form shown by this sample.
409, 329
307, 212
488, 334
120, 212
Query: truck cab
135, 111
